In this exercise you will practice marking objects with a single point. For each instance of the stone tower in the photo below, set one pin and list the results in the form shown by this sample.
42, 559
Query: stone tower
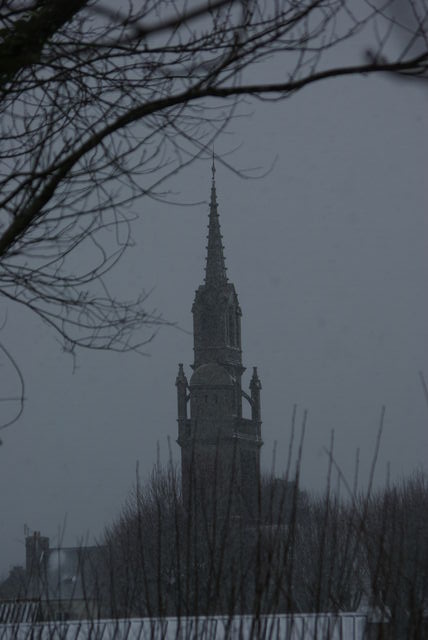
220, 449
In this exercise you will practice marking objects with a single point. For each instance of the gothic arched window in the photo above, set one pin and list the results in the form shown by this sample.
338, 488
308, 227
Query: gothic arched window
231, 326
238, 330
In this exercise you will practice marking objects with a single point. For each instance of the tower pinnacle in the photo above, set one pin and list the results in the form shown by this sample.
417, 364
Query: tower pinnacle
215, 269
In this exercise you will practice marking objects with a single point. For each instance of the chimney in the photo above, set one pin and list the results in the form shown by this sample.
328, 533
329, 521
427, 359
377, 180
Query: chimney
36, 550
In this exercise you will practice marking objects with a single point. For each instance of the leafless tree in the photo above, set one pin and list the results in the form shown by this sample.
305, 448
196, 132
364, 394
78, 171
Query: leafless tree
164, 559
311, 555
100, 104
396, 555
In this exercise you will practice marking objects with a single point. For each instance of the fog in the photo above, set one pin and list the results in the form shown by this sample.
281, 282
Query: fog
328, 253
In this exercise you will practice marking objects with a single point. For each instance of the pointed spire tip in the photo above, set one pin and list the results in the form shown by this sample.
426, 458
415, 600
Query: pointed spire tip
215, 268
213, 166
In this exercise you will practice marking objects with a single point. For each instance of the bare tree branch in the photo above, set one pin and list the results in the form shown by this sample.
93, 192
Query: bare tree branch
99, 106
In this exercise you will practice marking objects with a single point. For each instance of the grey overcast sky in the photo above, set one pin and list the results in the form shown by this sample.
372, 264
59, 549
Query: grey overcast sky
329, 256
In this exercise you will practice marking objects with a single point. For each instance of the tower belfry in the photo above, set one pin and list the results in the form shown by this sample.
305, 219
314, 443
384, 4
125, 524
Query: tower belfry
220, 449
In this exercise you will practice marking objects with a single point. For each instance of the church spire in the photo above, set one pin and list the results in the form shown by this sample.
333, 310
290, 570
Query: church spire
215, 269
220, 449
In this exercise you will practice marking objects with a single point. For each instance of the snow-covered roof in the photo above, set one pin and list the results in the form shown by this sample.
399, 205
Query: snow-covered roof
343, 626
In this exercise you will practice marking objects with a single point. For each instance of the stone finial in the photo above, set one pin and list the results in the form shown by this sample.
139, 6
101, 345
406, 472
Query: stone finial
181, 376
255, 380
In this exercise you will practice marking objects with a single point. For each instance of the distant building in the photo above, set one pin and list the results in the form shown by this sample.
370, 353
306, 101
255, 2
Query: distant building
220, 449
64, 583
